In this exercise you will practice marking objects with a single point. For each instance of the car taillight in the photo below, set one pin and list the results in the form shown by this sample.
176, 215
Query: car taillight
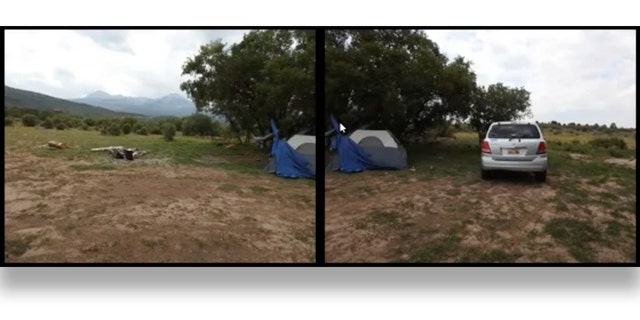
542, 148
485, 147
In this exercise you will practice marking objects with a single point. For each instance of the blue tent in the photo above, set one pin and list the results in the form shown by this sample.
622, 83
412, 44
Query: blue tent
351, 156
287, 162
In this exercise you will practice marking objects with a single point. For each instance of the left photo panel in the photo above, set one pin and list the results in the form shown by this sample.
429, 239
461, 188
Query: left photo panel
159, 146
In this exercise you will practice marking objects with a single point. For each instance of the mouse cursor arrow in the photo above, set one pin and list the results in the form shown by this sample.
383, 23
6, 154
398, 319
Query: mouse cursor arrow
342, 128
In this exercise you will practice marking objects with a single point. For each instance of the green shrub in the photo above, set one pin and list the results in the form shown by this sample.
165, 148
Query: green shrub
8, 121
85, 127
577, 148
606, 143
169, 131
142, 131
445, 131
60, 126
616, 153
47, 123
29, 120
114, 130
137, 127
197, 124
126, 128
155, 130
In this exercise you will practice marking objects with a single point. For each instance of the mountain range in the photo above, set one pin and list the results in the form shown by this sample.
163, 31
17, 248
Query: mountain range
33, 100
103, 104
168, 105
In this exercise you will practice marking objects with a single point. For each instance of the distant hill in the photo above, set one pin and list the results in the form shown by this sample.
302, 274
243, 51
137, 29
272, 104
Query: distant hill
32, 100
169, 105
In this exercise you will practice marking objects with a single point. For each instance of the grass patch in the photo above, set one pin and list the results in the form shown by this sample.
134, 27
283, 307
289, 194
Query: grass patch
391, 219
305, 235
569, 192
361, 225
258, 189
228, 187
616, 214
17, 247
306, 199
195, 151
40, 206
200, 243
561, 206
457, 159
497, 255
367, 190
454, 192
437, 249
575, 235
408, 205
614, 228
384, 217
608, 196
150, 243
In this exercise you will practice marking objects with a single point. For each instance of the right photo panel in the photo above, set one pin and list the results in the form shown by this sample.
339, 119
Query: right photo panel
480, 146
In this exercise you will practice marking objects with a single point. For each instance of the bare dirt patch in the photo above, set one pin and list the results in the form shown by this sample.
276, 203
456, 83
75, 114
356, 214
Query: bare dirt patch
160, 213
622, 162
459, 219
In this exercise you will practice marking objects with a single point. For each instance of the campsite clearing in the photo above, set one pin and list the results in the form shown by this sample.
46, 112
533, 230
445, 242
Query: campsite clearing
186, 201
443, 212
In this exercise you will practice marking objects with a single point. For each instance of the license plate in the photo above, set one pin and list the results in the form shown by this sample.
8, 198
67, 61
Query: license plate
513, 151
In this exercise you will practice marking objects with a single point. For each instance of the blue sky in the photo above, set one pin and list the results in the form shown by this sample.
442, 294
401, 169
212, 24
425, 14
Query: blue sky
585, 76
73, 63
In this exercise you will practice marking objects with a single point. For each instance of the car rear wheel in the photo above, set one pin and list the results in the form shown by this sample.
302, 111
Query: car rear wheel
486, 174
540, 176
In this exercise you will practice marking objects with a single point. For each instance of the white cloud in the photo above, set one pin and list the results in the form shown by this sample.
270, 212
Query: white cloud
73, 63
585, 76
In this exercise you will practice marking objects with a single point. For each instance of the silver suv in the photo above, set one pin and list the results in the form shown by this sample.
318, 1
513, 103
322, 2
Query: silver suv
514, 146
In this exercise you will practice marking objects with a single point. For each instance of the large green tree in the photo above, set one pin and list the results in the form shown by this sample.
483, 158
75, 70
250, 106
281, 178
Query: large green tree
497, 102
394, 79
268, 74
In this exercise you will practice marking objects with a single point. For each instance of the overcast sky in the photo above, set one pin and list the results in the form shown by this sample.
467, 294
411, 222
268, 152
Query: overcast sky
585, 76
73, 63
574, 76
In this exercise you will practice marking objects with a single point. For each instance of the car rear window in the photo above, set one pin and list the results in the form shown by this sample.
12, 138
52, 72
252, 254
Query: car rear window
520, 131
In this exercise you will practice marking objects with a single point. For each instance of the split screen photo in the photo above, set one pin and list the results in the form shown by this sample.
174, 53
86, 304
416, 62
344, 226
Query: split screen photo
320, 147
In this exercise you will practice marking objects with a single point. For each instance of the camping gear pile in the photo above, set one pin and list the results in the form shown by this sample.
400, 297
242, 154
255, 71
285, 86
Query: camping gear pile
56, 145
120, 152
366, 150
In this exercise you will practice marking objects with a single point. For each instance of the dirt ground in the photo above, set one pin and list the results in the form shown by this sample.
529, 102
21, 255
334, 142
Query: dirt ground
159, 213
378, 217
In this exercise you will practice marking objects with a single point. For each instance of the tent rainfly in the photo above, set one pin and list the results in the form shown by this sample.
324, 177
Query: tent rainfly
366, 150
295, 158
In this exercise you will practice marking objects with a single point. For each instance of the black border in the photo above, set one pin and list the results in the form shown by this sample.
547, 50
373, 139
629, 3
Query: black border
319, 90
320, 124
